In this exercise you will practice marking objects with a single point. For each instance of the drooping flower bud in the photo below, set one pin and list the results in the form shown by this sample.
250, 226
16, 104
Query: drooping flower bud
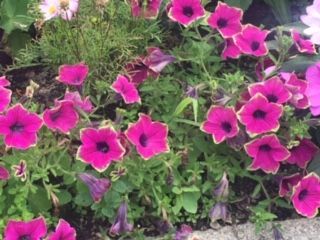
222, 189
121, 224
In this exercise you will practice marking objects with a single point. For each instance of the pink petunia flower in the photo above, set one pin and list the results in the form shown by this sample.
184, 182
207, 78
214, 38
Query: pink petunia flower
4, 82
267, 153
303, 153
221, 123
34, 229
312, 19
73, 74
85, 104
20, 127
5, 93
156, 60
100, 147
97, 186
230, 50
68, 9
273, 89
302, 45
121, 224
226, 19
50, 9
126, 89
150, 138
62, 117
306, 196
63, 232
287, 183
185, 12
313, 88
148, 11
252, 41
20, 170
264, 68
260, 116
4, 173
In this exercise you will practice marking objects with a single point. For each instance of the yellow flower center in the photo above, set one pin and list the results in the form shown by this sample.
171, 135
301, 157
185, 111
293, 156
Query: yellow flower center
52, 9
64, 3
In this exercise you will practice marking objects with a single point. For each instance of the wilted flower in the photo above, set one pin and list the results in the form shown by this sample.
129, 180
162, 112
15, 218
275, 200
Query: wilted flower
287, 183
264, 68
267, 153
20, 127
312, 19
185, 12
85, 104
116, 174
100, 147
226, 19
184, 232
97, 186
20, 170
156, 60
192, 92
302, 45
149, 137
4, 173
34, 229
303, 153
63, 232
306, 196
147, 9
73, 74
230, 50
121, 224
222, 189
31, 89
313, 88
238, 141
220, 211
126, 89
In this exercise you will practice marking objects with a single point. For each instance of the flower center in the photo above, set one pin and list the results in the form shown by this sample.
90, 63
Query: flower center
255, 46
64, 4
188, 11
25, 237
55, 115
265, 148
272, 98
226, 126
52, 9
102, 147
303, 194
222, 23
17, 127
143, 140
259, 114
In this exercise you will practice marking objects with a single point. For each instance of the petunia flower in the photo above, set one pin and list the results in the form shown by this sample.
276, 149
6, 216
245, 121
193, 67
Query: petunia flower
83, 104
20, 170
273, 89
252, 41
150, 138
312, 20
126, 89
302, 45
50, 9
156, 60
62, 117
220, 211
121, 224
149, 10
63, 232
97, 186
5, 94
264, 68
68, 9
221, 123
260, 116
267, 153
183, 232
100, 147
303, 153
4, 173
4, 82
20, 127
73, 74
287, 183
34, 229
230, 50
306, 196
222, 189
313, 88
243, 99
226, 19
185, 12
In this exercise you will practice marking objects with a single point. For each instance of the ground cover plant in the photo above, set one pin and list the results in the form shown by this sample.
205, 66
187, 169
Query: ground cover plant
123, 119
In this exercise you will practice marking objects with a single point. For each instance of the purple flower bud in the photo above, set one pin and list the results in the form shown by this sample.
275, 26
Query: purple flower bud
220, 211
220, 97
157, 60
97, 187
222, 189
192, 92
184, 232
121, 224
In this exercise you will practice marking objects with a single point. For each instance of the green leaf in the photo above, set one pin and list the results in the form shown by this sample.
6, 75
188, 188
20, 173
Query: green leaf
300, 63
195, 109
64, 197
182, 105
39, 201
190, 201
17, 40
243, 4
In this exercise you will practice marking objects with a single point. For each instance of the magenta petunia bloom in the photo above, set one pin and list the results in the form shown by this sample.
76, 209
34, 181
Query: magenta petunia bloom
4, 173
186, 12
230, 50
100, 147
226, 19
83, 104
73, 74
306, 196
4, 82
97, 187
302, 45
34, 229
121, 224
62, 117
267, 153
221, 123
138, 72
156, 60
287, 183
303, 153
313, 88
63, 232
273, 89
252, 40
148, 11
5, 93
150, 138
20, 127
126, 89
264, 68
260, 116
